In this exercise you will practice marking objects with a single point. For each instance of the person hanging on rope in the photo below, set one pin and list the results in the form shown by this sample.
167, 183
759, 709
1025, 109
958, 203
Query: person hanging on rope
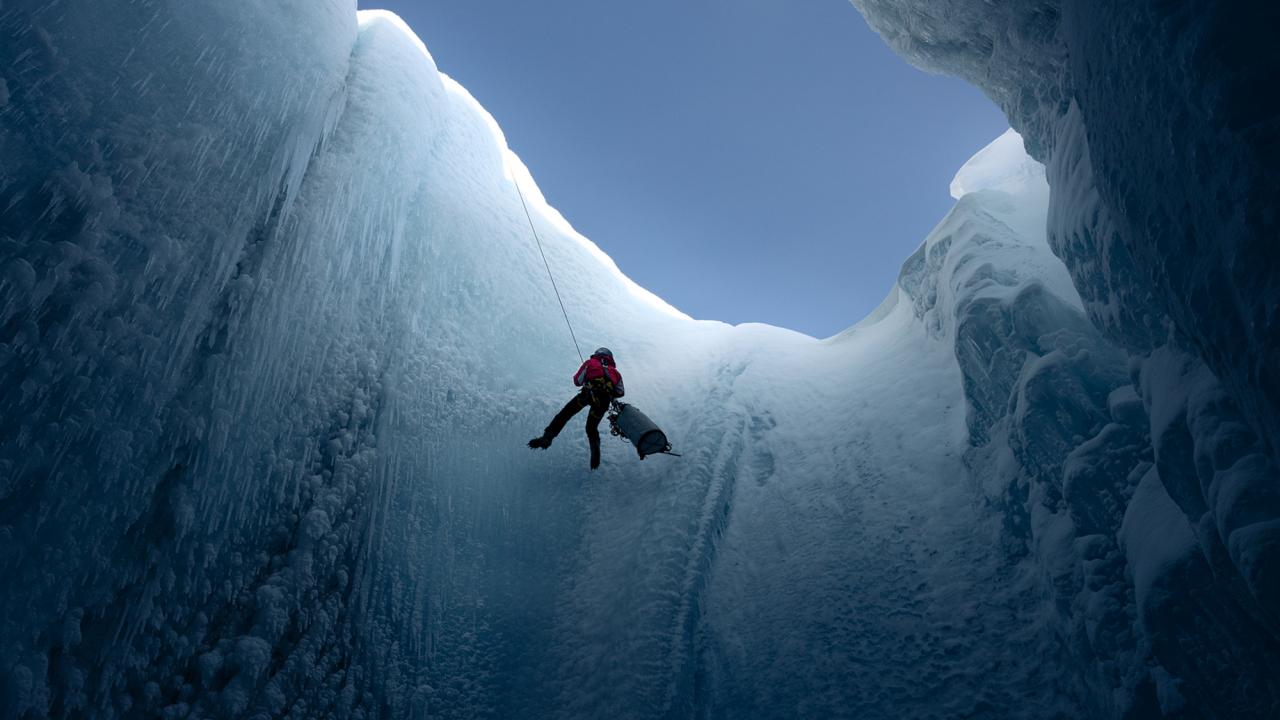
601, 383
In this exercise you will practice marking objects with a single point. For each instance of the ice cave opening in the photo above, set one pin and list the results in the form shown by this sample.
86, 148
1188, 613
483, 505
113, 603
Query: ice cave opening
258, 457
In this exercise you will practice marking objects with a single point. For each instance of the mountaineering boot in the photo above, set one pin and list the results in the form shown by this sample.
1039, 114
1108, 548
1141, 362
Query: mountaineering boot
540, 443
595, 457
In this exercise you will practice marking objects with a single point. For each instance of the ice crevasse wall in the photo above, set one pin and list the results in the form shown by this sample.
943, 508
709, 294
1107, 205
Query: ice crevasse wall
271, 341
1161, 150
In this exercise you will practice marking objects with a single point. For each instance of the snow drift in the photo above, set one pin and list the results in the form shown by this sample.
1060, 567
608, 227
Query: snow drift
273, 332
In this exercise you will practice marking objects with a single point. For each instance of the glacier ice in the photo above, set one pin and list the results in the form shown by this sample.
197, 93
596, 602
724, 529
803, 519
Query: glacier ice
273, 332
1152, 123
1001, 165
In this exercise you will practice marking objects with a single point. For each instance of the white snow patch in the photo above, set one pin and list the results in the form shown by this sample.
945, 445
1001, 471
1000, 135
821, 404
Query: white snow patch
1001, 165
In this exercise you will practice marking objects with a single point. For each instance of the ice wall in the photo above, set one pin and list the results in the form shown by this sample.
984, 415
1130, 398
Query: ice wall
147, 157
1151, 123
274, 332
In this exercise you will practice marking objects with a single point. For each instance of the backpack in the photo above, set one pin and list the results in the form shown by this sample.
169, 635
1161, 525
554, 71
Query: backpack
608, 378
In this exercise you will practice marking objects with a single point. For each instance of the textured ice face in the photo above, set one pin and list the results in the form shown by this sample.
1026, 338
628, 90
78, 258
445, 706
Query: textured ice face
1149, 119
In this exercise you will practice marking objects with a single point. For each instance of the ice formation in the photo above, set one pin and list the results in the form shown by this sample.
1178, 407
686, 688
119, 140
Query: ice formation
273, 332
1160, 148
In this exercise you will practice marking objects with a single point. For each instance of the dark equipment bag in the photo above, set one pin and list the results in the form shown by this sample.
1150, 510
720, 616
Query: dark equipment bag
630, 424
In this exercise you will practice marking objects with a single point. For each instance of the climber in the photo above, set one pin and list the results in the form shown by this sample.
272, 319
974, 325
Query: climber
601, 383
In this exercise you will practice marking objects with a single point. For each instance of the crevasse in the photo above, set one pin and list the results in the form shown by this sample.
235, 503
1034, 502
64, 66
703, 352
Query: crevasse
275, 331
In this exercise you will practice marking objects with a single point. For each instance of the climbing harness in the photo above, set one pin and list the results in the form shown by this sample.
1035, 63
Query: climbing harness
548, 266
635, 427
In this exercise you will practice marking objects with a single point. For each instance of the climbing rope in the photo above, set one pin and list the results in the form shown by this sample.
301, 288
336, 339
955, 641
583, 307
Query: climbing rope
548, 266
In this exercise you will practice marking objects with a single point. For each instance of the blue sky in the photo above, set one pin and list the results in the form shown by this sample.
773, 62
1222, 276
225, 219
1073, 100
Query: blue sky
747, 160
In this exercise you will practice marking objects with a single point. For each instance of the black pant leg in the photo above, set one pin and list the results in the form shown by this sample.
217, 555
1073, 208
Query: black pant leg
571, 408
598, 409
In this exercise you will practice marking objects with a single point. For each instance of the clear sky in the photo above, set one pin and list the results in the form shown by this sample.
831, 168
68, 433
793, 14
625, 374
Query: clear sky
747, 160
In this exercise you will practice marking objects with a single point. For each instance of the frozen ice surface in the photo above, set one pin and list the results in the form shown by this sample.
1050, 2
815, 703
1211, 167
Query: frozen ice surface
273, 332
1152, 123
1002, 165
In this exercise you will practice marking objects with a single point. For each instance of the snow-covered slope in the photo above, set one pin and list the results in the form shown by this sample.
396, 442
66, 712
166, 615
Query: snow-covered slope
273, 333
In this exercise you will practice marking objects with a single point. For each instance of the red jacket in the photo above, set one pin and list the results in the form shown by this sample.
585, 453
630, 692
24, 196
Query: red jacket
593, 369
